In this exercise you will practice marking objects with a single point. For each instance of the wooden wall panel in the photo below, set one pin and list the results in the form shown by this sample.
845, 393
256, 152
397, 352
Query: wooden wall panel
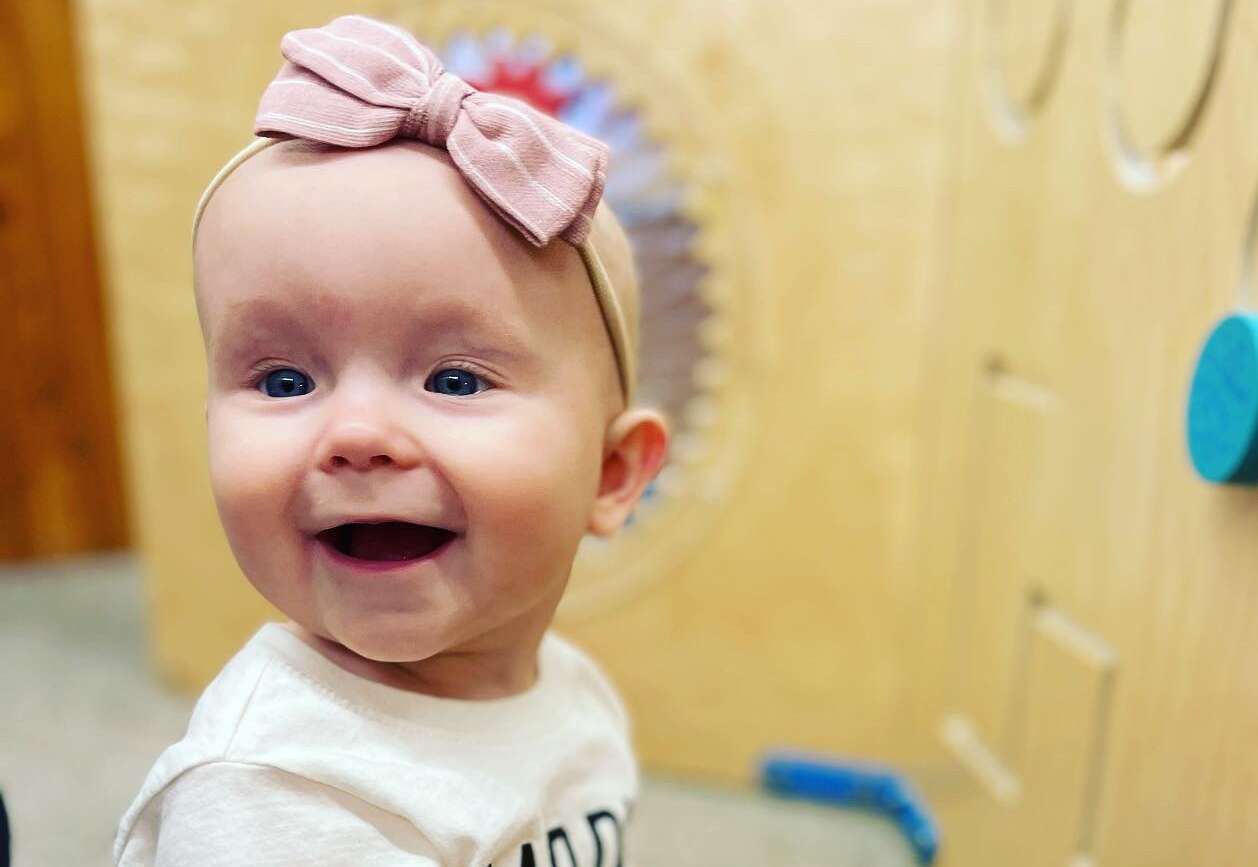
1092, 245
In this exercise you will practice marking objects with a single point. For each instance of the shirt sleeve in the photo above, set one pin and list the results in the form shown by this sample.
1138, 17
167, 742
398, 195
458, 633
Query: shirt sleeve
232, 814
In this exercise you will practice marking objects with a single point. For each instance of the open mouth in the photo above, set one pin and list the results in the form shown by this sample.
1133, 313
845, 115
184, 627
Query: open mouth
389, 541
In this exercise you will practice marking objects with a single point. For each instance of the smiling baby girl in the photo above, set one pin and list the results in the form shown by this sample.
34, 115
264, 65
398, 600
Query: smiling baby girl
420, 329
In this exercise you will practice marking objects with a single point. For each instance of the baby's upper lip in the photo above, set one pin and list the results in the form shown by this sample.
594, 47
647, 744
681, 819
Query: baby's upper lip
336, 520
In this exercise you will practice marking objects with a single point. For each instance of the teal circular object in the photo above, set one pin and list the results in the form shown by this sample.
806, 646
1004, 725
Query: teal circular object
1223, 403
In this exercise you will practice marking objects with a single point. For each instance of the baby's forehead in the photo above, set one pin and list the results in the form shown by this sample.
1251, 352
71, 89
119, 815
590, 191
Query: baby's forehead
388, 226
357, 200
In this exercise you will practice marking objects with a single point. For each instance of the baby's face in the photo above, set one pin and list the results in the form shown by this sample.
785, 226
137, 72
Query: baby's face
381, 348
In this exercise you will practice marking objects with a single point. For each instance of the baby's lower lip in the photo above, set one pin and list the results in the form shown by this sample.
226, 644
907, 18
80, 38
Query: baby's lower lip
359, 564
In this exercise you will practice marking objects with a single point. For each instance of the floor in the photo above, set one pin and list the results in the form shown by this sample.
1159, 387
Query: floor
82, 718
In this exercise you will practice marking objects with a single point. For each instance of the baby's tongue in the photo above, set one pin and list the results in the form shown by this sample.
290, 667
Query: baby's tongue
393, 540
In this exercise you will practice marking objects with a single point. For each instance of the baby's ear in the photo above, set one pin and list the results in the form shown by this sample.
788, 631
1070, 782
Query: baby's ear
633, 452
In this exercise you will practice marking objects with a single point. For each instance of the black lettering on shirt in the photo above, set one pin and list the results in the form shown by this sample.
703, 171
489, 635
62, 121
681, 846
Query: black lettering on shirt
560, 834
557, 840
593, 819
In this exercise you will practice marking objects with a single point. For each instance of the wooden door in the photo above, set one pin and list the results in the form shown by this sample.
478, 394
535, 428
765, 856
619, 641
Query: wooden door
60, 483
1094, 604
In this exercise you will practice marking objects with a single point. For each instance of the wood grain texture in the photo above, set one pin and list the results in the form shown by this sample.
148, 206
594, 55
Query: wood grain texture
1072, 280
60, 479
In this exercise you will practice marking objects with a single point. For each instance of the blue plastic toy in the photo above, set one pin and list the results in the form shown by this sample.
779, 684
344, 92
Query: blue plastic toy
858, 785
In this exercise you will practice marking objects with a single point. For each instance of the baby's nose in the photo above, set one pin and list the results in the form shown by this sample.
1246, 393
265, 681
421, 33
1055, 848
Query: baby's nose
366, 444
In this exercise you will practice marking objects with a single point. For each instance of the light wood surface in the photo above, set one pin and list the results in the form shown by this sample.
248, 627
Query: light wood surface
1095, 684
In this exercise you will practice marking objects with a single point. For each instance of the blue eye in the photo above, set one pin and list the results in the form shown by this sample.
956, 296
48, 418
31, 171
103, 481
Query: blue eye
286, 382
454, 381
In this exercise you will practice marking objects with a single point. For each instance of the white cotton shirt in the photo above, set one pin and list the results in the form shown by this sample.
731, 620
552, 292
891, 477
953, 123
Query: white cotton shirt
291, 760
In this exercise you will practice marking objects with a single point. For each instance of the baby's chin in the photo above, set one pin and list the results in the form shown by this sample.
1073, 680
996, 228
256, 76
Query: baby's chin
385, 642
400, 663
378, 658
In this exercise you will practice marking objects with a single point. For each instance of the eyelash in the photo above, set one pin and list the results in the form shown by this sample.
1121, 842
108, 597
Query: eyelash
259, 371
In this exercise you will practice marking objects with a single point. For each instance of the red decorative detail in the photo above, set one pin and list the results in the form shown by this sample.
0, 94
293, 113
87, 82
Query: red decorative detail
523, 81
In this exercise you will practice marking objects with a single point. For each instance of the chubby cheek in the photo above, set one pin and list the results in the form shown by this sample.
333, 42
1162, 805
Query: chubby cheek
527, 484
254, 472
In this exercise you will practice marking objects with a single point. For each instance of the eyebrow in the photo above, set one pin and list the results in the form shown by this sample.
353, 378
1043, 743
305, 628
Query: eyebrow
244, 322
257, 319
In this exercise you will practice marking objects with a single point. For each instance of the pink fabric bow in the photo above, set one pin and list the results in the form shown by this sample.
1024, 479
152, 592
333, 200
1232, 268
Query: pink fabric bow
358, 82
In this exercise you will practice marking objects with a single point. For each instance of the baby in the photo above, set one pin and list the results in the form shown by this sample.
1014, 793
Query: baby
420, 329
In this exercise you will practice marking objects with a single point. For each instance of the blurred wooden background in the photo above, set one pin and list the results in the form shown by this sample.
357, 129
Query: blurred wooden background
60, 482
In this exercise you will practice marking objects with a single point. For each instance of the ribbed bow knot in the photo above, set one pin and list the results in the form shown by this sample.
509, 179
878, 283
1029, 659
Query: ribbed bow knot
432, 116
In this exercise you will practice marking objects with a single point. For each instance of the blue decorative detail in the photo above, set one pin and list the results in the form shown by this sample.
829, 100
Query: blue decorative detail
858, 785
1223, 404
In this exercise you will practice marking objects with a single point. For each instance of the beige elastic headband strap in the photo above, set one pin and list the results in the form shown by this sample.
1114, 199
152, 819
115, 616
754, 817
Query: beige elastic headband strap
614, 317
